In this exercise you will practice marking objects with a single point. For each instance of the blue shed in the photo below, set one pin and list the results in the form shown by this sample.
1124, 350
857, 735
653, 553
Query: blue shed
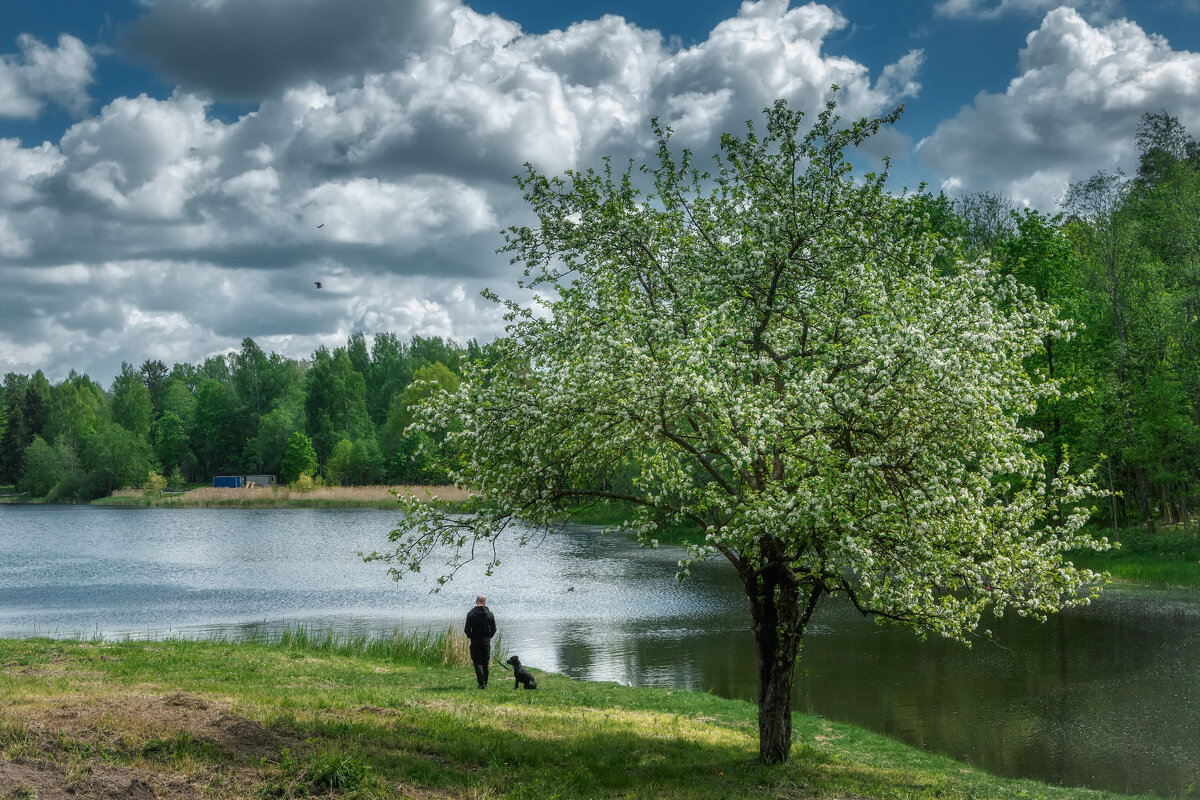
228, 481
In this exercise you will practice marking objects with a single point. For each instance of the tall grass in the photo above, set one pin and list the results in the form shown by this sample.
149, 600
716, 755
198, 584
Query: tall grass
427, 648
284, 496
1167, 556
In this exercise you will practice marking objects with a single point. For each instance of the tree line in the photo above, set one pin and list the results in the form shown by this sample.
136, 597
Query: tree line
339, 416
1122, 262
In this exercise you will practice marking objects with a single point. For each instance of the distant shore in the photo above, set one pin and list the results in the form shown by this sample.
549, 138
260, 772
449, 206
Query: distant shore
1170, 556
282, 497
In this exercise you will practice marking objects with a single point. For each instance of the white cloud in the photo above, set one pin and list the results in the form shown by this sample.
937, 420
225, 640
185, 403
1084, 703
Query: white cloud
42, 73
156, 229
989, 9
12, 243
23, 168
419, 212
1071, 111
766, 52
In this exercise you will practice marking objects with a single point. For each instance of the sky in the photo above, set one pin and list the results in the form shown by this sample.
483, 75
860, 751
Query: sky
176, 175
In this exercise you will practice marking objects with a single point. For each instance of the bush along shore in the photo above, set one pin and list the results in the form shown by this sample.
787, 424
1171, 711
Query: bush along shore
305, 714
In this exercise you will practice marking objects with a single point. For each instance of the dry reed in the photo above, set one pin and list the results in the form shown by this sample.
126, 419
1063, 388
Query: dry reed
284, 495
456, 648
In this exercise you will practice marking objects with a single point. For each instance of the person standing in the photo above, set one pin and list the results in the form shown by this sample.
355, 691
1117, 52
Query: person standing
480, 628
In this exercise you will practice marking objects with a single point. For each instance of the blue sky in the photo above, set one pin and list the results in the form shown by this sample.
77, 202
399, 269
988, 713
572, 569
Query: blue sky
164, 164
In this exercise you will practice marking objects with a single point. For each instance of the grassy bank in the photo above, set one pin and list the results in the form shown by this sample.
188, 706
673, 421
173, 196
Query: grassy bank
342, 717
1167, 556
612, 514
280, 497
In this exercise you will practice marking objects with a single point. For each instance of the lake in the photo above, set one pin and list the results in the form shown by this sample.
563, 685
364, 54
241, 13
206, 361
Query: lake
1106, 696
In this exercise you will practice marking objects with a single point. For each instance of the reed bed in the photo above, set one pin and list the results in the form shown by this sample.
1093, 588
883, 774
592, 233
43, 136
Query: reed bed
284, 496
449, 647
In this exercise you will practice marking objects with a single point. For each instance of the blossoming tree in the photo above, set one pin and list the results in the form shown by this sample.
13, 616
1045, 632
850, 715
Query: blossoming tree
770, 351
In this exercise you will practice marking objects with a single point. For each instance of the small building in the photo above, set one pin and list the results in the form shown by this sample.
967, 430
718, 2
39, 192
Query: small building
243, 481
265, 481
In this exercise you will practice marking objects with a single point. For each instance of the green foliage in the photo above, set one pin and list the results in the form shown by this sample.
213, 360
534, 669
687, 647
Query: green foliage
266, 450
335, 401
390, 371
43, 468
357, 463
116, 457
155, 482
132, 407
25, 413
299, 459
1166, 556
419, 456
335, 772
1137, 281
214, 437
337, 466
76, 405
154, 375
784, 356
172, 443
234, 414
178, 398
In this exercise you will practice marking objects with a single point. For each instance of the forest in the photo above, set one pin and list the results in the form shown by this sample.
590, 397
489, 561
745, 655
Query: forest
337, 417
1121, 262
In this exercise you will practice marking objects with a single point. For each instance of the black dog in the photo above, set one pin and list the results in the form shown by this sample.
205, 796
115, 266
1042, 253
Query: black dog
522, 676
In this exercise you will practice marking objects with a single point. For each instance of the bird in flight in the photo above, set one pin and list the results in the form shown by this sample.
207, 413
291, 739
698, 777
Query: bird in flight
322, 225
318, 283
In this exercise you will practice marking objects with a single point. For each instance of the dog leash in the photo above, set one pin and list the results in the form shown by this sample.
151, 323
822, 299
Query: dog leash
501, 663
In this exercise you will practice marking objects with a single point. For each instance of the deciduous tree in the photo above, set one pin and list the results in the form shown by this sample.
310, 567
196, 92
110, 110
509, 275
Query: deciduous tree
774, 348
132, 407
300, 458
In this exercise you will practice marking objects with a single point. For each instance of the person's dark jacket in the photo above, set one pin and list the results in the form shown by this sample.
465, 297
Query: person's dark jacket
481, 625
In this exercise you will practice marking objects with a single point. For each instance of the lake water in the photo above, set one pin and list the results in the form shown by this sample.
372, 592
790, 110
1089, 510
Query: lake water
1107, 696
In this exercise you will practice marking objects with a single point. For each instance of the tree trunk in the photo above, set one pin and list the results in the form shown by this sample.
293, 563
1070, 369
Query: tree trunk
776, 620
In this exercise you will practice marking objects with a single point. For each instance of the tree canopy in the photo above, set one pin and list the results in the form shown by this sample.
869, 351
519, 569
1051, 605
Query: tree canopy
775, 352
234, 413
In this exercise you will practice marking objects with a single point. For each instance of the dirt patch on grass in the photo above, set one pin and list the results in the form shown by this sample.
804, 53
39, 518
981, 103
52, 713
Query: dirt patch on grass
136, 746
115, 725
46, 780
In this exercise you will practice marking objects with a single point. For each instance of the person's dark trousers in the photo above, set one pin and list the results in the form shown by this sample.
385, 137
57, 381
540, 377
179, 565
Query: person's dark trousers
480, 653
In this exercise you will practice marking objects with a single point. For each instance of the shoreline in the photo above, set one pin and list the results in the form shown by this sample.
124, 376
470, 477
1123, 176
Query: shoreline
381, 496
1170, 558
234, 719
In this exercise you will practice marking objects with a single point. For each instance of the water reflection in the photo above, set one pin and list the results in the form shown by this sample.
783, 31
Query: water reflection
1104, 696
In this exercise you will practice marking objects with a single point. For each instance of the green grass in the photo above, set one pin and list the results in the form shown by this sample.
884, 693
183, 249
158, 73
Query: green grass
614, 513
1170, 556
306, 712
